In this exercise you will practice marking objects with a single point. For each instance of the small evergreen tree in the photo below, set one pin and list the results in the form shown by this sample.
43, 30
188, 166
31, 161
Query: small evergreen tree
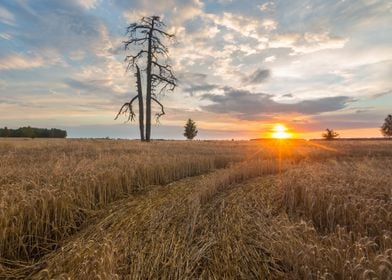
190, 129
330, 134
386, 128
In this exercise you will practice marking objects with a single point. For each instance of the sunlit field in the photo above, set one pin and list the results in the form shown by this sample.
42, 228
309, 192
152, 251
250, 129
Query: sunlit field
272, 209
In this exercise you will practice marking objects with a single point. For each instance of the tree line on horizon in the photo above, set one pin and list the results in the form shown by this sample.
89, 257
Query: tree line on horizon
33, 132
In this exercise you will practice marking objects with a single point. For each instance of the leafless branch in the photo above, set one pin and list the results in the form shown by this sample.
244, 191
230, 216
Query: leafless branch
164, 33
164, 70
127, 108
139, 41
158, 115
160, 79
132, 59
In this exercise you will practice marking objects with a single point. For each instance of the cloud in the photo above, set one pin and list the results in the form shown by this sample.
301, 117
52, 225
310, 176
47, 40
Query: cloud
108, 79
200, 88
248, 26
5, 36
271, 58
360, 111
88, 85
195, 82
380, 94
250, 106
307, 42
267, 7
62, 25
21, 62
3, 84
87, 4
257, 77
77, 55
175, 12
6, 16
68, 105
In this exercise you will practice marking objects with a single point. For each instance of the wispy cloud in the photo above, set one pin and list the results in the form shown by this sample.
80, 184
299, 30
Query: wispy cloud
21, 62
5, 36
6, 16
87, 4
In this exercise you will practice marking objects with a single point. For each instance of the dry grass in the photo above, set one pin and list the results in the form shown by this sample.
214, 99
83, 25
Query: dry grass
253, 210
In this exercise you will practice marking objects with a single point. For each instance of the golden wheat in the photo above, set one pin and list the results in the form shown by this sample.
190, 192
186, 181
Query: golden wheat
96, 209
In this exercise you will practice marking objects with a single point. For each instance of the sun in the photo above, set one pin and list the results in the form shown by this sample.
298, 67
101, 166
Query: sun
280, 132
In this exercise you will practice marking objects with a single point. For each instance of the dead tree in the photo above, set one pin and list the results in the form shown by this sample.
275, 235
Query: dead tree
147, 37
127, 108
141, 106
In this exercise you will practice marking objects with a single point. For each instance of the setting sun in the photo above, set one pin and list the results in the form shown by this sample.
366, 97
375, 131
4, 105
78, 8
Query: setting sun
280, 132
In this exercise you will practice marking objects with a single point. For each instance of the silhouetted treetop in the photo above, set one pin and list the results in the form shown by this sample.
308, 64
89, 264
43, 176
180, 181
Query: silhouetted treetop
386, 128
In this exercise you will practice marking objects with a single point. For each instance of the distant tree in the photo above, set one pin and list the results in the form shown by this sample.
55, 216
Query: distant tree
190, 129
147, 36
386, 128
330, 134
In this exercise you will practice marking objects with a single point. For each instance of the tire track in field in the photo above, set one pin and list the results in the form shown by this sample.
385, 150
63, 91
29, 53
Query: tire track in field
247, 222
114, 244
38, 215
155, 236
236, 222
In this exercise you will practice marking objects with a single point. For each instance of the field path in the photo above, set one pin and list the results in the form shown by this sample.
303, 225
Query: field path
157, 235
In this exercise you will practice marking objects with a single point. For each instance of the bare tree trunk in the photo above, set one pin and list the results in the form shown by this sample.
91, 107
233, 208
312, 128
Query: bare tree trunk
148, 94
159, 75
141, 106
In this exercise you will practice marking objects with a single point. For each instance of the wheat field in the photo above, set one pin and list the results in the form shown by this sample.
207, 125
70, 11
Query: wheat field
119, 209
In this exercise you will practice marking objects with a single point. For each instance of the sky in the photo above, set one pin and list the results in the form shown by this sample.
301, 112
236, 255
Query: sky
242, 66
